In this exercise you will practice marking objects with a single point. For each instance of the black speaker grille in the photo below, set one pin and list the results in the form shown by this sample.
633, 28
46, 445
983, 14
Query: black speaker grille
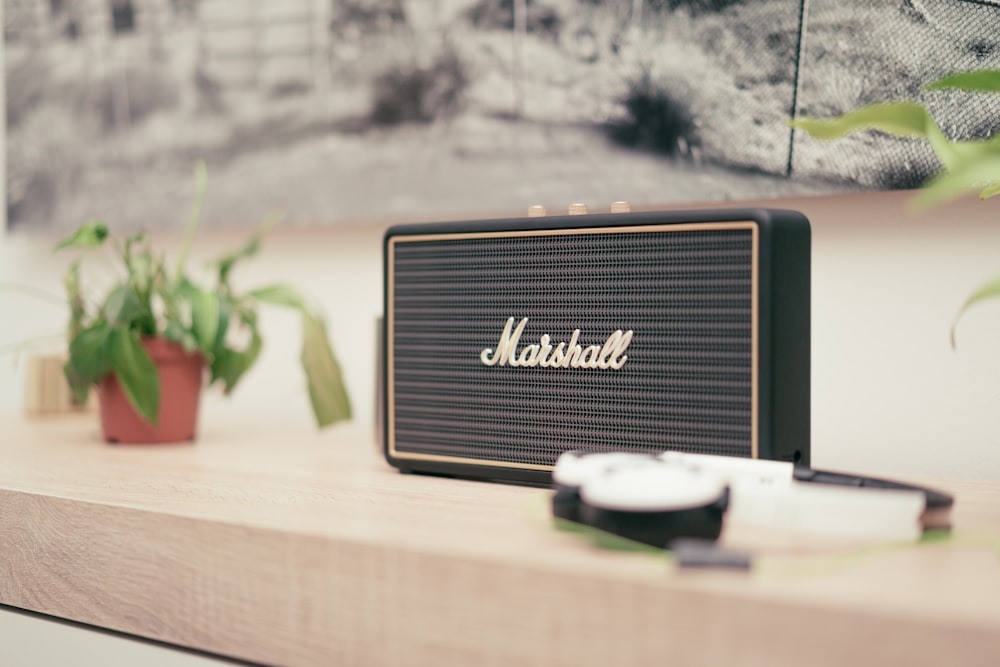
687, 384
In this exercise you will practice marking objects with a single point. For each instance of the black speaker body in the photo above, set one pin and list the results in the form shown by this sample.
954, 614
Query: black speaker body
508, 342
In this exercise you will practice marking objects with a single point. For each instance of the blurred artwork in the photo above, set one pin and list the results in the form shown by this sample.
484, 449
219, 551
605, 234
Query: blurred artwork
378, 111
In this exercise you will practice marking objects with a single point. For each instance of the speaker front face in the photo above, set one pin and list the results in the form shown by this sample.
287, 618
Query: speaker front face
507, 347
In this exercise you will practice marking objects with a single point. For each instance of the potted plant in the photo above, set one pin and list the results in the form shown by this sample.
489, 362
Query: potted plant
966, 166
147, 342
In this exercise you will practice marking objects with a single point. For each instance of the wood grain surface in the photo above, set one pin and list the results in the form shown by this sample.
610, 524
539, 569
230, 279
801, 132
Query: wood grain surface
286, 546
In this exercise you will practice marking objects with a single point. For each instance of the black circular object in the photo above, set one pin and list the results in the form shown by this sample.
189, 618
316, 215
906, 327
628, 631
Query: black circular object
655, 504
575, 468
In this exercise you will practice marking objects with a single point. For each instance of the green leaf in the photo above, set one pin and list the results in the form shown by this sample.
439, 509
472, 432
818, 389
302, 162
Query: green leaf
90, 355
89, 235
951, 154
604, 539
79, 387
225, 313
122, 306
279, 295
990, 191
176, 332
136, 373
173, 325
981, 171
989, 290
184, 288
204, 318
904, 119
955, 154
230, 365
225, 263
983, 81
326, 385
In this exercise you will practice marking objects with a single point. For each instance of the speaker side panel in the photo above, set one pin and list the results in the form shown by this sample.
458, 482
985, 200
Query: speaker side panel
790, 333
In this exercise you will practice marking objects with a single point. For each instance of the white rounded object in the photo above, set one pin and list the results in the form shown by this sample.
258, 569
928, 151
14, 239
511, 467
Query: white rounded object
733, 468
652, 488
576, 468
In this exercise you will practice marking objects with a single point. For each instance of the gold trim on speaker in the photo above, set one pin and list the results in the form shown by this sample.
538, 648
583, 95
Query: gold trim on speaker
631, 229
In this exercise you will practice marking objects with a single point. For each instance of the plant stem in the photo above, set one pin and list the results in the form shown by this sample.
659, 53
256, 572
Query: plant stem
201, 183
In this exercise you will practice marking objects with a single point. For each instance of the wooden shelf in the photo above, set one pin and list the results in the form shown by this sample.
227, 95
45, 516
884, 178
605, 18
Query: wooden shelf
283, 545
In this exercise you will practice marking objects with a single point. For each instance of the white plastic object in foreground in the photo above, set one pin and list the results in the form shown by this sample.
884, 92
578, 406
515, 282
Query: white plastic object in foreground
656, 487
573, 468
765, 495
824, 510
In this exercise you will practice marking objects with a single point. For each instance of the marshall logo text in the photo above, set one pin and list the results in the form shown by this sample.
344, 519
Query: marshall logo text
611, 355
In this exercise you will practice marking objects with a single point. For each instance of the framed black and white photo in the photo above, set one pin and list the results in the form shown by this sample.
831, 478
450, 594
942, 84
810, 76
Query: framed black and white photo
376, 111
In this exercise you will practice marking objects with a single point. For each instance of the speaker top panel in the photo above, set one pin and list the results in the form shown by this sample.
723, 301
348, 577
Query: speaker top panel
509, 342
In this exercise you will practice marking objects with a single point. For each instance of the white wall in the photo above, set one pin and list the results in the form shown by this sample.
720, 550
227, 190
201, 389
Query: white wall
889, 394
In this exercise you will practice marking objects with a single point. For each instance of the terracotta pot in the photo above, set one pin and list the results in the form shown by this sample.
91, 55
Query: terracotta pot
180, 391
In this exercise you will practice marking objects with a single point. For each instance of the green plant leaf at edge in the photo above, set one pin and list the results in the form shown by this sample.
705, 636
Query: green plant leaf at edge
205, 311
89, 353
174, 331
136, 373
89, 360
230, 365
327, 394
990, 191
225, 313
979, 81
122, 306
606, 540
279, 295
329, 399
989, 290
904, 119
982, 172
91, 234
79, 388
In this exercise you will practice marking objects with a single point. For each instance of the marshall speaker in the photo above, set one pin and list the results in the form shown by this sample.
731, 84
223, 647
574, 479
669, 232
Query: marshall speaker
509, 342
